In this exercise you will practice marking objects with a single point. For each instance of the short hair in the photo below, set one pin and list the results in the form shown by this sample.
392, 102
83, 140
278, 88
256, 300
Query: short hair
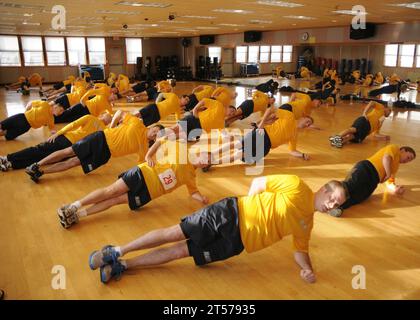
185, 96
409, 149
333, 185
312, 119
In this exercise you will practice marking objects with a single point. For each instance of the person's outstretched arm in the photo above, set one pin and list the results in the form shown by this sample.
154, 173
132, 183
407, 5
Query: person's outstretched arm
304, 261
199, 107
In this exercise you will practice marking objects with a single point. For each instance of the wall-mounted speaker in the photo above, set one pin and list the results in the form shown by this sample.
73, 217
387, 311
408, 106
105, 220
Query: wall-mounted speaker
252, 36
368, 32
186, 42
209, 39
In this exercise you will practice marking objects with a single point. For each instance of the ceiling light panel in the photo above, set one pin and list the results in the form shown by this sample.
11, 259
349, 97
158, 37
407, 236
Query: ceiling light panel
283, 4
144, 4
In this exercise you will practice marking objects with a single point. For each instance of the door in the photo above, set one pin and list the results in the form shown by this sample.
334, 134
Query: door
116, 59
227, 62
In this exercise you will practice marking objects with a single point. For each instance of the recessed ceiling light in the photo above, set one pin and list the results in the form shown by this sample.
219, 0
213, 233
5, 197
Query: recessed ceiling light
280, 3
350, 12
299, 17
143, 25
172, 21
28, 14
31, 23
130, 13
413, 5
239, 11
144, 4
199, 17
231, 25
21, 6
207, 28
260, 21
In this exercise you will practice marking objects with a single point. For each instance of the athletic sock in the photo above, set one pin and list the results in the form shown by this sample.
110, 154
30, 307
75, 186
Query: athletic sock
77, 204
124, 263
118, 249
82, 213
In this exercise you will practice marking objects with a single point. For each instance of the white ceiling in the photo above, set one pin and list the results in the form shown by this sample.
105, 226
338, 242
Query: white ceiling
107, 17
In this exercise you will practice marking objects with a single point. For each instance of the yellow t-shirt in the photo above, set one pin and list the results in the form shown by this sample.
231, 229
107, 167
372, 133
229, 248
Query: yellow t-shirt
394, 79
40, 115
164, 86
379, 78
81, 128
260, 101
123, 83
170, 105
285, 208
76, 95
225, 96
35, 79
128, 138
205, 93
99, 104
302, 106
213, 117
394, 152
375, 117
168, 174
283, 130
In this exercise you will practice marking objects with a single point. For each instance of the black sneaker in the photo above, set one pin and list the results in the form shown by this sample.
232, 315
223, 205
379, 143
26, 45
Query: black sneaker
34, 172
115, 270
206, 169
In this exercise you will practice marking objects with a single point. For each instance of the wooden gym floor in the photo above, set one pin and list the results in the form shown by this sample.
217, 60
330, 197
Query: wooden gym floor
382, 234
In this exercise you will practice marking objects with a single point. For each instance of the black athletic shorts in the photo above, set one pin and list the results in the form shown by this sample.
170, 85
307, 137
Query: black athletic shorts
361, 182
286, 107
362, 127
213, 232
255, 146
63, 101
150, 114
247, 108
138, 194
152, 93
68, 87
92, 151
139, 87
192, 103
15, 126
191, 123
58, 85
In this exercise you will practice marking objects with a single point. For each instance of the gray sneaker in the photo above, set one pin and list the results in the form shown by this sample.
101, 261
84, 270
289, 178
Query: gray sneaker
337, 212
68, 215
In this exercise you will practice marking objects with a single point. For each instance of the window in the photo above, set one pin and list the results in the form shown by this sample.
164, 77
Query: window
56, 55
407, 55
264, 54
276, 53
96, 49
33, 53
9, 51
134, 49
391, 55
241, 54
253, 54
418, 56
287, 53
77, 50
215, 52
